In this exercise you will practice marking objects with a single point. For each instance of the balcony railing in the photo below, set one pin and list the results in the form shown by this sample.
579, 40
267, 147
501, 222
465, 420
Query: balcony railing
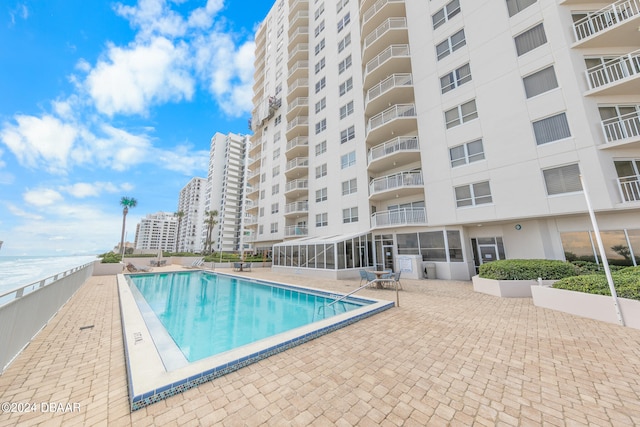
392, 113
300, 65
617, 128
403, 179
607, 17
296, 207
298, 141
629, 187
396, 50
297, 162
298, 121
407, 216
371, 12
394, 80
298, 102
389, 24
253, 174
614, 70
401, 143
297, 184
296, 230
298, 83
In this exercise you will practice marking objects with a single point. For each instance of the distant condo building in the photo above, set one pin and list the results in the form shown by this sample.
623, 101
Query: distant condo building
157, 231
191, 203
225, 191
444, 134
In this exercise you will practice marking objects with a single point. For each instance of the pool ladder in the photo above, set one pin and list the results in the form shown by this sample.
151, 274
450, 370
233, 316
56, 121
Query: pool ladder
343, 297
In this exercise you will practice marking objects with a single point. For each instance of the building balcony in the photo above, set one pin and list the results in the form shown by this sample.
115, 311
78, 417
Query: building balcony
610, 26
396, 185
400, 119
298, 107
296, 209
297, 167
299, 53
394, 59
298, 70
295, 231
378, 12
297, 147
621, 130
629, 187
391, 31
296, 188
298, 88
393, 153
253, 175
296, 6
250, 220
301, 18
299, 126
253, 160
399, 218
397, 89
300, 35
619, 76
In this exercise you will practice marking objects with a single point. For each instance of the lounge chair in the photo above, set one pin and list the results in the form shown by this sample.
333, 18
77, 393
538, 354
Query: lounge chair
196, 264
137, 269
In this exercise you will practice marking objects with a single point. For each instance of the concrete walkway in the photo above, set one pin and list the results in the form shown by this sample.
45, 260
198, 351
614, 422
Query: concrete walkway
447, 356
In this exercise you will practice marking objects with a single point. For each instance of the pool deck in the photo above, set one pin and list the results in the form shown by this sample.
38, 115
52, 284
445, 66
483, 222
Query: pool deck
446, 356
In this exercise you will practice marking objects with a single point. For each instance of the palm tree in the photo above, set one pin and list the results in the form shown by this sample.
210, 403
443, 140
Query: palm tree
126, 202
178, 214
210, 222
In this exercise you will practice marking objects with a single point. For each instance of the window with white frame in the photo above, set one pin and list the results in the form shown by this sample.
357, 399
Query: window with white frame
346, 110
321, 148
461, 114
348, 160
321, 170
260, 229
350, 186
274, 227
278, 120
450, 45
563, 179
466, 153
457, 77
346, 86
261, 212
540, 82
341, 4
276, 153
322, 219
275, 208
350, 215
319, 28
321, 195
263, 177
320, 65
530, 39
344, 64
346, 41
473, 194
344, 21
321, 84
551, 129
347, 134
321, 105
275, 171
319, 46
275, 189
515, 6
450, 10
319, 11
262, 194
321, 126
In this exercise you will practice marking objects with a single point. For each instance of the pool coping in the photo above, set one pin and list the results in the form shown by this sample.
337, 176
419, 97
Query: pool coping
149, 382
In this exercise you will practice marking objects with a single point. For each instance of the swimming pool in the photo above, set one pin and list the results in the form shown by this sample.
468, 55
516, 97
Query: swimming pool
185, 328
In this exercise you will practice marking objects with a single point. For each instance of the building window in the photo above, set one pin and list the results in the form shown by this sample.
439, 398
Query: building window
457, 77
321, 148
346, 41
564, 179
350, 186
347, 160
321, 126
321, 84
275, 208
319, 46
320, 65
274, 227
346, 86
321, 105
347, 134
349, 215
319, 11
261, 194
322, 220
341, 4
450, 45
319, 28
278, 120
515, 6
473, 194
260, 229
551, 129
275, 189
344, 21
540, 82
344, 64
446, 13
530, 39
346, 110
276, 153
275, 171
466, 153
261, 211
321, 195
461, 114
321, 170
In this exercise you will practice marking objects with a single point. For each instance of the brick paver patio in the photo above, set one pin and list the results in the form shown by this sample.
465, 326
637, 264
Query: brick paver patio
446, 356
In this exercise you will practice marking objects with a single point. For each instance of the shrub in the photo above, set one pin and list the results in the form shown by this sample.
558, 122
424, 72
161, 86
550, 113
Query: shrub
110, 258
626, 282
527, 269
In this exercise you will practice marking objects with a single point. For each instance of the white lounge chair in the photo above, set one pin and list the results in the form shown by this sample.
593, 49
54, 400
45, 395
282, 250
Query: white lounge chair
196, 264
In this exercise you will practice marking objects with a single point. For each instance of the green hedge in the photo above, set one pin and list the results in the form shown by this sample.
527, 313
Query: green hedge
110, 258
626, 282
527, 269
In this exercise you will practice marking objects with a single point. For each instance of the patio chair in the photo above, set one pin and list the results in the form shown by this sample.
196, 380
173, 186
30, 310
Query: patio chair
237, 266
246, 266
393, 279
137, 269
372, 278
363, 277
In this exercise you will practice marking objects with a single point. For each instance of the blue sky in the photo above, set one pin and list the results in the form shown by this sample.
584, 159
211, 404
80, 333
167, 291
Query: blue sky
100, 100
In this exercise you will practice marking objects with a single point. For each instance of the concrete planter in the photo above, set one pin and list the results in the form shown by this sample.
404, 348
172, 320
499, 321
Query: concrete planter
506, 288
597, 307
111, 269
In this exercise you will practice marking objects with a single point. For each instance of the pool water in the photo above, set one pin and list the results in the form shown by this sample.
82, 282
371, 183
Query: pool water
206, 314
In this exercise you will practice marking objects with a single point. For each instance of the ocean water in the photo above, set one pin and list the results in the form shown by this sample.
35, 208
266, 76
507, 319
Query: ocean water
17, 271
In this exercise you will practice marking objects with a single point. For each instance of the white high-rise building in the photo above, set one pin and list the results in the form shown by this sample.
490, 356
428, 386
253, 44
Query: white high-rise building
157, 231
191, 203
397, 133
225, 190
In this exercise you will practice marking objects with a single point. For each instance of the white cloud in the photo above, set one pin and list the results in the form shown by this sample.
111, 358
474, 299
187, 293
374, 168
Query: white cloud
19, 11
42, 197
81, 190
182, 159
15, 210
153, 17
